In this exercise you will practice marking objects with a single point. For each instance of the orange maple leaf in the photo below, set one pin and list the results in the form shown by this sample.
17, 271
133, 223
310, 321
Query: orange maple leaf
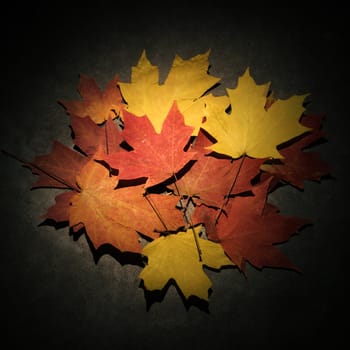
115, 216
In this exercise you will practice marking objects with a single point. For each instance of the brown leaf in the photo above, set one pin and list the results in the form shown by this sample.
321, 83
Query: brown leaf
59, 168
96, 104
299, 164
59, 212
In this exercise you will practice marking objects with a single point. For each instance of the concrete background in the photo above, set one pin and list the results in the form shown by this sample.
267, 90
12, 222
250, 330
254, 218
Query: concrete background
53, 292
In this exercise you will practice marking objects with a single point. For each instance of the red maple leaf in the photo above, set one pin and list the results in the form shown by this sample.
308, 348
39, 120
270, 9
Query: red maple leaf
298, 163
210, 178
155, 156
251, 229
96, 104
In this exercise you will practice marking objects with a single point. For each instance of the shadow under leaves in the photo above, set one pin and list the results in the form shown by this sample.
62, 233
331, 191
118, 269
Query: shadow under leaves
157, 296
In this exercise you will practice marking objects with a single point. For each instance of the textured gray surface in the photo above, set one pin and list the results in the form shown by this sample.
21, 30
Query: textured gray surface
53, 292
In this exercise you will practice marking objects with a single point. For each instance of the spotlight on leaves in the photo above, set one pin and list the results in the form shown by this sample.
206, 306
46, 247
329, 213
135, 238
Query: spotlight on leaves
179, 176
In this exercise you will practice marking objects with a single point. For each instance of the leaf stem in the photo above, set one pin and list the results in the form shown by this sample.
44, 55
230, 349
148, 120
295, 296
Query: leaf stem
197, 243
227, 197
155, 210
188, 220
107, 149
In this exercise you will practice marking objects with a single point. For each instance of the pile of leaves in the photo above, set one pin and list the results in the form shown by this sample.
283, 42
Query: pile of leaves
179, 176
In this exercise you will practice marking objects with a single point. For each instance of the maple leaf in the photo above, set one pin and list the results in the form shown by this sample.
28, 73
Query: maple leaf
115, 216
251, 129
199, 181
175, 257
59, 168
96, 104
252, 228
186, 83
91, 138
298, 165
156, 156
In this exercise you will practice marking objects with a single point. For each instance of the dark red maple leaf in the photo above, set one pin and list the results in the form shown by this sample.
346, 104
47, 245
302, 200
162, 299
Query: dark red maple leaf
251, 229
209, 215
155, 156
203, 214
59, 168
299, 164
92, 138
209, 179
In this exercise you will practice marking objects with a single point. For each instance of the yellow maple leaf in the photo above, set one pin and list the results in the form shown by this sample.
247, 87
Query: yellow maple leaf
187, 82
195, 111
176, 257
251, 129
